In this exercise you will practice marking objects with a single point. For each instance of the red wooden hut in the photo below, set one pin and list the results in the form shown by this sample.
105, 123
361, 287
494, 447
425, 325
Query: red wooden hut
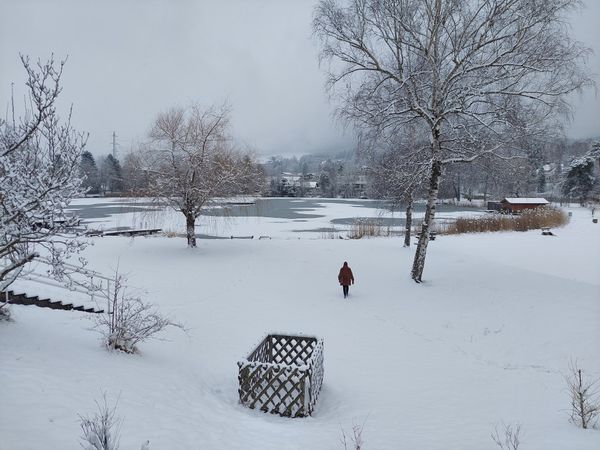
518, 204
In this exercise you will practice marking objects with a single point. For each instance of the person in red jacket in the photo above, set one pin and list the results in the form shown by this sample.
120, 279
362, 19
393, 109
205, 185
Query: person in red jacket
346, 278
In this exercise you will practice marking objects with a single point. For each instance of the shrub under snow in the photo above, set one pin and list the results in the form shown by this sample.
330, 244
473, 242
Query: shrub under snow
101, 431
129, 320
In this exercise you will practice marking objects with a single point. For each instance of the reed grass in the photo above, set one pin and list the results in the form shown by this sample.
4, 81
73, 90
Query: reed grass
367, 228
532, 219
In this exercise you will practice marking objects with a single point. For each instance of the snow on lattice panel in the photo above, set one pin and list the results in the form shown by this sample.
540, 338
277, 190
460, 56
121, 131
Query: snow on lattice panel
282, 375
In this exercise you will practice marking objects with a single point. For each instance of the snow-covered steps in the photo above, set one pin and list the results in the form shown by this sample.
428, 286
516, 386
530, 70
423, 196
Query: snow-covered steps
24, 299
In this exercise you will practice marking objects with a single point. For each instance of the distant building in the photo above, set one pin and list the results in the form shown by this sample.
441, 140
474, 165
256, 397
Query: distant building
494, 206
516, 205
360, 183
294, 185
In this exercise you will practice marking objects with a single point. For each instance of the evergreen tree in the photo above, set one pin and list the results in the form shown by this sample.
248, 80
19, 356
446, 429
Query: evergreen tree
594, 153
89, 173
541, 180
111, 175
329, 177
580, 179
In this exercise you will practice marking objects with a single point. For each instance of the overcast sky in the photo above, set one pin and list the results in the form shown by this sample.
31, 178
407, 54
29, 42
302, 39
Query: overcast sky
130, 59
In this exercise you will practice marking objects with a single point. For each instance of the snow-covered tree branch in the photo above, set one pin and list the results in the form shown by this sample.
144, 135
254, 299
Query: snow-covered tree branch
39, 176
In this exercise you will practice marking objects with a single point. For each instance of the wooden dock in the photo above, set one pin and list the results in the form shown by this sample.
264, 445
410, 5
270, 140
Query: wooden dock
130, 233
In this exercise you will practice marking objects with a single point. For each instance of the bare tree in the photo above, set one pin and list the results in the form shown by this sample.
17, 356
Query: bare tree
190, 160
397, 173
474, 74
585, 398
135, 180
39, 176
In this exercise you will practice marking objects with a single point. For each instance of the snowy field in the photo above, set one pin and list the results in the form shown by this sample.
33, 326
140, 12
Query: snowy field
485, 340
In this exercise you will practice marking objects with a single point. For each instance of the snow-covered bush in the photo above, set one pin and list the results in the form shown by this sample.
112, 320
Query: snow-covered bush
509, 438
355, 442
129, 320
102, 430
4, 312
585, 398
39, 176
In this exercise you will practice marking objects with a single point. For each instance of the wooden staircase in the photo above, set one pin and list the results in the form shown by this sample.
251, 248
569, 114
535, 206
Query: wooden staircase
24, 299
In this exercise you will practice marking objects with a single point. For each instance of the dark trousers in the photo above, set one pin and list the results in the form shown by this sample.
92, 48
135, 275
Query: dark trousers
345, 288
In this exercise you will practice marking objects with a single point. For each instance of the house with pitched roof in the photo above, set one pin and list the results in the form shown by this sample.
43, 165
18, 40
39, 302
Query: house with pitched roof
518, 204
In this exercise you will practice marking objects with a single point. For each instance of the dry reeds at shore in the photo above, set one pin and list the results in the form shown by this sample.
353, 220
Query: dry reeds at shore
367, 228
534, 219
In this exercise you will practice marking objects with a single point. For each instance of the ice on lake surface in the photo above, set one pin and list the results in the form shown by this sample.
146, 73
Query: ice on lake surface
316, 214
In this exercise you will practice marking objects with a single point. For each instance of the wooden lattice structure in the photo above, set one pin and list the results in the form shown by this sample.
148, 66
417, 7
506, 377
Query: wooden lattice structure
283, 375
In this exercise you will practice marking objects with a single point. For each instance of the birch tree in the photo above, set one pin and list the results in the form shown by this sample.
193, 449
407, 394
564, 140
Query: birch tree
190, 160
393, 179
474, 73
39, 176
397, 173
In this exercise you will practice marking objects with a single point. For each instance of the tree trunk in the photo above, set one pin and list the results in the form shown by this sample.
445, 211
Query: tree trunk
457, 190
485, 189
436, 163
434, 184
190, 223
409, 204
582, 409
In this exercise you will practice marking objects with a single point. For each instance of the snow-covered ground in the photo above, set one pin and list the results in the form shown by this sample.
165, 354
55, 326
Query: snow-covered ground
487, 339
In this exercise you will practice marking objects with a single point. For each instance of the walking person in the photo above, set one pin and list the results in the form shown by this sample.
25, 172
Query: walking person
346, 278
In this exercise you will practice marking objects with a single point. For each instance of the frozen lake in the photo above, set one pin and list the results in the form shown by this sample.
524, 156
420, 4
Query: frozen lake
317, 211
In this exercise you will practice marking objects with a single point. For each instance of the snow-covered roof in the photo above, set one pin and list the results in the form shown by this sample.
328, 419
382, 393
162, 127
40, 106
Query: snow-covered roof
527, 201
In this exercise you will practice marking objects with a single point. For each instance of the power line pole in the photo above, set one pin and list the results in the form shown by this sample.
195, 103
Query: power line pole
12, 101
114, 145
